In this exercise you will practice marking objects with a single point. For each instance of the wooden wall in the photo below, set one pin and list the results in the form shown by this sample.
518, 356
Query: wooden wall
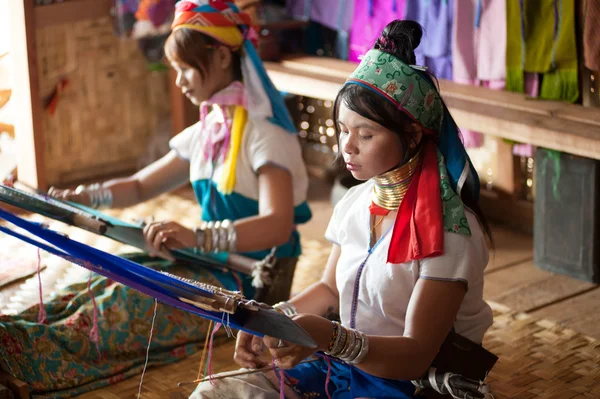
107, 116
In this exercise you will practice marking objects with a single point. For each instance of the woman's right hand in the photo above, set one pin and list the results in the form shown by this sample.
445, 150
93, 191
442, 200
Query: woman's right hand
248, 349
82, 198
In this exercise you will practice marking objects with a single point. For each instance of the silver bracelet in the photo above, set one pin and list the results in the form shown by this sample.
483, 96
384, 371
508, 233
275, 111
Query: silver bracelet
100, 197
215, 236
364, 350
357, 347
219, 236
286, 308
340, 341
230, 231
223, 242
200, 237
351, 345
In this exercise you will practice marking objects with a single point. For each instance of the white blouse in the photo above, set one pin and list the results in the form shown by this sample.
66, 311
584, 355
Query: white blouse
385, 288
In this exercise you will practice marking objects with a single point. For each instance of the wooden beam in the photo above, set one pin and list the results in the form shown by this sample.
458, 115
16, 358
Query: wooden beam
304, 83
555, 125
26, 96
283, 25
70, 12
577, 138
334, 68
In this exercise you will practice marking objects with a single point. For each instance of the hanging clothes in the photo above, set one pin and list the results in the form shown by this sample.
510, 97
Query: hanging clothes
334, 14
370, 17
435, 50
547, 48
541, 39
478, 50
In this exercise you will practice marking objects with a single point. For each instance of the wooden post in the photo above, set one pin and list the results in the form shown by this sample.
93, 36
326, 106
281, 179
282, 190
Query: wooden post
26, 94
504, 171
590, 87
589, 80
17, 387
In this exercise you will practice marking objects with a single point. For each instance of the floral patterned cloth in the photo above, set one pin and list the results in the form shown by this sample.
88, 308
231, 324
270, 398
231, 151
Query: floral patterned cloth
453, 210
403, 85
59, 360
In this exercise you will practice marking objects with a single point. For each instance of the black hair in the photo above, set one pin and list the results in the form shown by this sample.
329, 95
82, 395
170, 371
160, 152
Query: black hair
399, 38
196, 49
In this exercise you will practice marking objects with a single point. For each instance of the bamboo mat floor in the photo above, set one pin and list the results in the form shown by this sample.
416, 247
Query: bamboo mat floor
538, 359
546, 329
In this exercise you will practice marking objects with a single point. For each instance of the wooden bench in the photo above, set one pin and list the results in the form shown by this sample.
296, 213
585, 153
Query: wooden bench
17, 388
560, 126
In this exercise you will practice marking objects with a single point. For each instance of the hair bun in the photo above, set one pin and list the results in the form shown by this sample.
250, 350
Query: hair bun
401, 38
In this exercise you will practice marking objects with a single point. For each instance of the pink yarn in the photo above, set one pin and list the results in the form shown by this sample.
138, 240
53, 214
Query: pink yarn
42, 312
281, 384
328, 378
281, 377
209, 356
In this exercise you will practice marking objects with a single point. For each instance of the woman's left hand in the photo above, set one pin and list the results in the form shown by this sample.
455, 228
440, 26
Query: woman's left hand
170, 235
288, 355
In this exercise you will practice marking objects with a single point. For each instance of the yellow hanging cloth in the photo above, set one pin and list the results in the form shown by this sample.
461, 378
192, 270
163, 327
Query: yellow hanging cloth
227, 182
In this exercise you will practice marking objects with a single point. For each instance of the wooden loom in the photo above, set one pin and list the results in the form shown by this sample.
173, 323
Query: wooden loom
213, 303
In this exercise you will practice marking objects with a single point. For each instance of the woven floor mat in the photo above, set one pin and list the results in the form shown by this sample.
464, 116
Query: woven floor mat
161, 382
541, 359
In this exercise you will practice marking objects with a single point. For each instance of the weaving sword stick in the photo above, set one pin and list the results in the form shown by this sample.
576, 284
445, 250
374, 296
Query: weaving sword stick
52, 208
210, 302
106, 225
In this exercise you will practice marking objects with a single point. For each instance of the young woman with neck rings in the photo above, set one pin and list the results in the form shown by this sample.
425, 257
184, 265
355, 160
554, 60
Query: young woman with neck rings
408, 245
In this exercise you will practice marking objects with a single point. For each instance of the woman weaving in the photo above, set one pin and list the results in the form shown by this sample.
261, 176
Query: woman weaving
244, 162
408, 253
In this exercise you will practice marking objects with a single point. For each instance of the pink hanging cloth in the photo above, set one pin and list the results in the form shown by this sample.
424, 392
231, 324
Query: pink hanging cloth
479, 49
370, 17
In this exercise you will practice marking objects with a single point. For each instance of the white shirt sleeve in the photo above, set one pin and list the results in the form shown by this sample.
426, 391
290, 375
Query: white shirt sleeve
271, 144
464, 258
331, 234
182, 143
337, 230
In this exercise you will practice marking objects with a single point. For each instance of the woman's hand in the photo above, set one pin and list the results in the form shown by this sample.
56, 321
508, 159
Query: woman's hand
11, 178
82, 198
248, 349
289, 355
170, 235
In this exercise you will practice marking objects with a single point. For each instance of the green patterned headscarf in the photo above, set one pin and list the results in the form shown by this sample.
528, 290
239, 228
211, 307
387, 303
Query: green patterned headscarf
413, 92
430, 205
403, 85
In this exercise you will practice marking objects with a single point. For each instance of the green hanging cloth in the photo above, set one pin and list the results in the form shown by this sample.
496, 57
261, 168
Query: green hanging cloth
541, 39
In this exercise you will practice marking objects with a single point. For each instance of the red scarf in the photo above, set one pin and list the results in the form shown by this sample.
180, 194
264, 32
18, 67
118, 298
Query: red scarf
418, 229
